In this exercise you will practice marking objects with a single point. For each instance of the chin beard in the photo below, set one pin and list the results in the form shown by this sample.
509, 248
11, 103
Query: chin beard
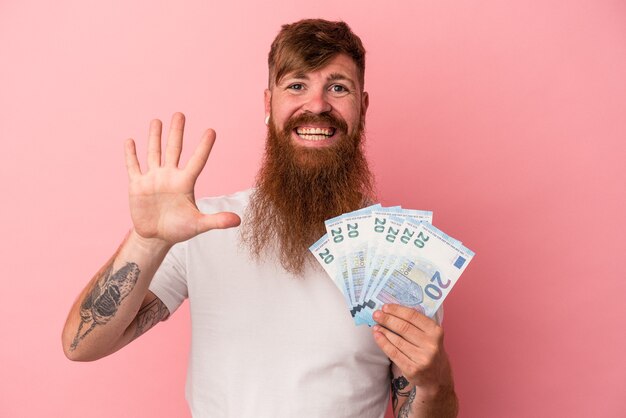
298, 188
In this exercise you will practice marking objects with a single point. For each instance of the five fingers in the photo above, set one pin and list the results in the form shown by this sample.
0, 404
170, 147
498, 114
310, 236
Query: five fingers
173, 148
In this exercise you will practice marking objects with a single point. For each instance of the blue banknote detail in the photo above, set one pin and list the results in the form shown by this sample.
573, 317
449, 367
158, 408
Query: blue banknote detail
405, 284
459, 262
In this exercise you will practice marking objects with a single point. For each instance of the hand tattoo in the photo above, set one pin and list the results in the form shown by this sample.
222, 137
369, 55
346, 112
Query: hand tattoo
102, 302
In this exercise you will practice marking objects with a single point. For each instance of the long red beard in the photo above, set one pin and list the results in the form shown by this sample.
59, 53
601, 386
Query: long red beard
297, 188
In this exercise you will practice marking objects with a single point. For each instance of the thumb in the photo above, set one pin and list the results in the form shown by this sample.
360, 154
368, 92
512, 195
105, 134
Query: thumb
220, 220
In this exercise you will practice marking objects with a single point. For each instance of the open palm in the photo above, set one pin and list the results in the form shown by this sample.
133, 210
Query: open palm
162, 203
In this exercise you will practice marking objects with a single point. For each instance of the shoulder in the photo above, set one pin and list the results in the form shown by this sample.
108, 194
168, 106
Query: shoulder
235, 202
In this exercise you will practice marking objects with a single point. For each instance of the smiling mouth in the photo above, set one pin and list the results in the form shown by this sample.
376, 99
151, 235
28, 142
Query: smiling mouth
315, 134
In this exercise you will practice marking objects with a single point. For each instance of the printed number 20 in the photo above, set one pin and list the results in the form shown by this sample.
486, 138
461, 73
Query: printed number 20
326, 256
337, 236
421, 239
433, 290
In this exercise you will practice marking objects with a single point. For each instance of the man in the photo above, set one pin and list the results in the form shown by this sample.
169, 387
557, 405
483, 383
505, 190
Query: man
270, 335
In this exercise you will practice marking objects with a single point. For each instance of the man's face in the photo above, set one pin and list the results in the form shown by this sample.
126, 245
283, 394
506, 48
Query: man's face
319, 107
314, 166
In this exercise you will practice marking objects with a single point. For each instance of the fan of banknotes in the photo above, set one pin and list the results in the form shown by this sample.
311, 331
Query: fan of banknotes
379, 255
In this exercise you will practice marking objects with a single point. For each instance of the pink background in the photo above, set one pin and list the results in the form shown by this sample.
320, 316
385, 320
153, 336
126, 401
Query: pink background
507, 119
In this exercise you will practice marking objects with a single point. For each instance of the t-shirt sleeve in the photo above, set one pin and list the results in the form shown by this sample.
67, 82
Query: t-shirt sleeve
170, 280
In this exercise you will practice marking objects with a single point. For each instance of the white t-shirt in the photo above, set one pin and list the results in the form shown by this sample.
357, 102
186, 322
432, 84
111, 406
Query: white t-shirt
266, 343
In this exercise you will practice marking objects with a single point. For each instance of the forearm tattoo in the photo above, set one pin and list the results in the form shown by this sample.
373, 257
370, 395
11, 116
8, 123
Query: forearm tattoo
406, 408
103, 300
150, 315
398, 388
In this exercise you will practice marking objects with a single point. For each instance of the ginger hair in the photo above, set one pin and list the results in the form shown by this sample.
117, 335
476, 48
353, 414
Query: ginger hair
309, 44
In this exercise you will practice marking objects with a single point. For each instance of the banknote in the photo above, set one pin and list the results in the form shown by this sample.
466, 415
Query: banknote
392, 248
357, 224
387, 225
340, 234
384, 255
424, 273
373, 255
323, 253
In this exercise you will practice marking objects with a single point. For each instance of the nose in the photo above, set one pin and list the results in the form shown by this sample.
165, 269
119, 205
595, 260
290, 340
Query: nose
317, 102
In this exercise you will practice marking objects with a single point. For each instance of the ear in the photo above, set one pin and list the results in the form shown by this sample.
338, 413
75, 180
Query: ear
268, 102
365, 102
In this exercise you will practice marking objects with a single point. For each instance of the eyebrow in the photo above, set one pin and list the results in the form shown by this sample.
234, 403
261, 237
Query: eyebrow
342, 77
331, 77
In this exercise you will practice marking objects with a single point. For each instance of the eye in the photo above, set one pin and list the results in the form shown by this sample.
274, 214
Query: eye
295, 86
338, 88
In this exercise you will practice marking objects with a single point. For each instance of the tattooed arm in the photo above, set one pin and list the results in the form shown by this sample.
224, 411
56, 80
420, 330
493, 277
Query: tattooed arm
443, 404
116, 306
422, 383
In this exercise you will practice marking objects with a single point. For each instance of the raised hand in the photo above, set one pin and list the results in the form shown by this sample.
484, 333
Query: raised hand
162, 202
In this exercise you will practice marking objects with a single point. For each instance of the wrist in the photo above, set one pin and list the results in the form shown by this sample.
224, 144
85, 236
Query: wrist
148, 245
437, 401
433, 391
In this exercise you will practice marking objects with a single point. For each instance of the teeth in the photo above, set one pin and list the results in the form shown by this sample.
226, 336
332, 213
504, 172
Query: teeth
313, 137
315, 131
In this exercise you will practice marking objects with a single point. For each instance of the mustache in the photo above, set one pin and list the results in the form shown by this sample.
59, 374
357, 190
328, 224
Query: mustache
322, 118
